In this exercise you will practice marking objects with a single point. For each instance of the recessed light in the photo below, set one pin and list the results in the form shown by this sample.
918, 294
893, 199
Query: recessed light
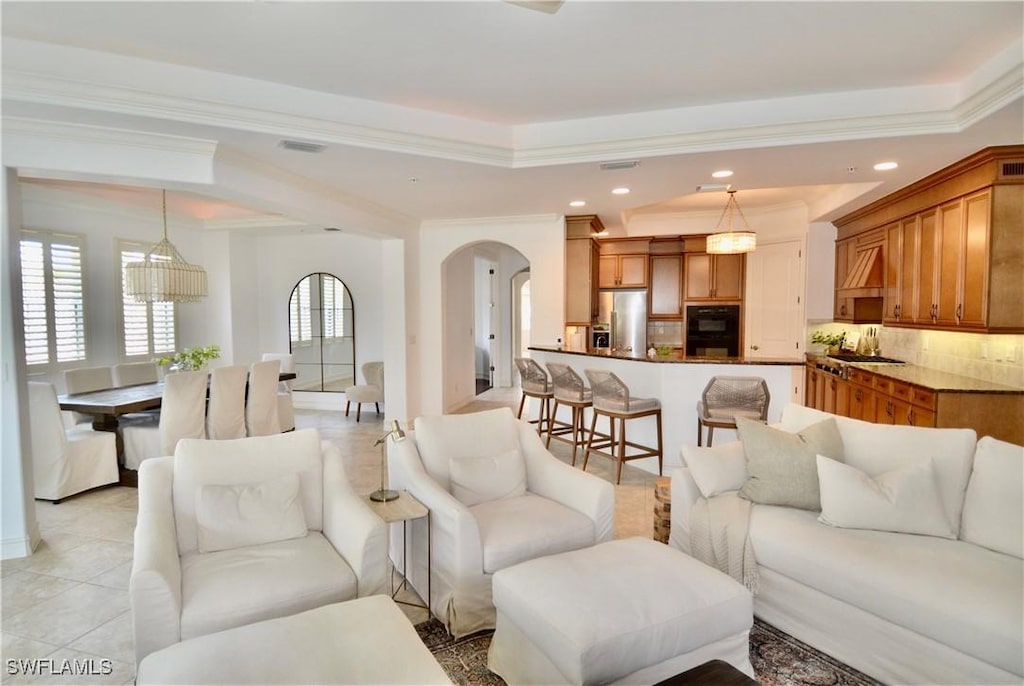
722, 174
885, 166
620, 191
578, 203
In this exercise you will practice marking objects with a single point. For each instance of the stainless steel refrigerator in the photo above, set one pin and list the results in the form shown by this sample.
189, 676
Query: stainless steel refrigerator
626, 313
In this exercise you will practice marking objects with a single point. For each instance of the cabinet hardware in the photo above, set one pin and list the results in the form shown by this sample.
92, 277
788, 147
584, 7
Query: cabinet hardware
896, 311
842, 310
858, 395
959, 311
755, 347
910, 416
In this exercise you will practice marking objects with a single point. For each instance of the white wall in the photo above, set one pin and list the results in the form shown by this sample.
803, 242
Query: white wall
821, 271
458, 333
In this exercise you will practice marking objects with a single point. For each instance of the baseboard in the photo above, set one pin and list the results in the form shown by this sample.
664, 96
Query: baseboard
307, 400
22, 546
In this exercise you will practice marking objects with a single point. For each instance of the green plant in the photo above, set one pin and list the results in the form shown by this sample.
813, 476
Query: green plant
832, 340
664, 350
190, 359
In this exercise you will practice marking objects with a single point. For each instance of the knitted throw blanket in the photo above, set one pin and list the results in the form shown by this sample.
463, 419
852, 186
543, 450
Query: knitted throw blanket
720, 536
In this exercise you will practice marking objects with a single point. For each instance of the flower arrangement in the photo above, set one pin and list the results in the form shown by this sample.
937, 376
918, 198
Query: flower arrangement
190, 359
830, 340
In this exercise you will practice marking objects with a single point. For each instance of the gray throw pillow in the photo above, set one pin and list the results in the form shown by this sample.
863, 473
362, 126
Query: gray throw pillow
783, 467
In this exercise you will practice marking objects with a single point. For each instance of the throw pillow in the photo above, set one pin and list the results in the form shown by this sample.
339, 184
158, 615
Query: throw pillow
782, 466
718, 469
249, 514
905, 500
493, 477
994, 505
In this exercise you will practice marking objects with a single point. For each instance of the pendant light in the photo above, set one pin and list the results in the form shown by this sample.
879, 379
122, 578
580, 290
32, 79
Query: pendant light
163, 275
727, 240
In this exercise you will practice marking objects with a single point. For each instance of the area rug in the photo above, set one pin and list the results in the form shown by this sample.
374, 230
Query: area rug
778, 659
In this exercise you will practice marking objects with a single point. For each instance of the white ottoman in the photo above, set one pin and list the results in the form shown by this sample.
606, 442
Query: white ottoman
364, 641
625, 611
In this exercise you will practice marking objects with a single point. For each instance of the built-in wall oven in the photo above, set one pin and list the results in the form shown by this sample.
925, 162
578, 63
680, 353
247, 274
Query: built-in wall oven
713, 330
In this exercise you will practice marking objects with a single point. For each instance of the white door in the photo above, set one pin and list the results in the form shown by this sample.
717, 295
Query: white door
774, 318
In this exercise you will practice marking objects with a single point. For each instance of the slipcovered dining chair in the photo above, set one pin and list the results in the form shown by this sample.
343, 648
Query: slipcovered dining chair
285, 406
370, 392
203, 563
225, 413
261, 400
496, 497
182, 415
728, 397
133, 373
66, 461
83, 380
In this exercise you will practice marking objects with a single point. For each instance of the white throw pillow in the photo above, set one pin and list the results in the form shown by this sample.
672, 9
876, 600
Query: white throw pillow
493, 477
249, 514
905, 500
994, 505
718, 469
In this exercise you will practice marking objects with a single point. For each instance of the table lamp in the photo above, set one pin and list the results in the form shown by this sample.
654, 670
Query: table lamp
384, 495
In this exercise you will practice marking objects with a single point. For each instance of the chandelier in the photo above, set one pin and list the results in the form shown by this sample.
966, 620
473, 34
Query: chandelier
163, 275
728, 240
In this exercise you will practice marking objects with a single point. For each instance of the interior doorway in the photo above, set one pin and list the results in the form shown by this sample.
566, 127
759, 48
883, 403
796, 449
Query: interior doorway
521, 313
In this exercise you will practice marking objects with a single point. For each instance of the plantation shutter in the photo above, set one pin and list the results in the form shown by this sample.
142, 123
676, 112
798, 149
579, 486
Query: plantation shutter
147, 328
33, 291
53, 298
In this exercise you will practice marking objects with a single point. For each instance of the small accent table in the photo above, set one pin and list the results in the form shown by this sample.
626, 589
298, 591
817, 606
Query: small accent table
404, 509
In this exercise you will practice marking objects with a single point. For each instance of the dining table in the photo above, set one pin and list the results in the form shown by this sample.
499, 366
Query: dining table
108, 405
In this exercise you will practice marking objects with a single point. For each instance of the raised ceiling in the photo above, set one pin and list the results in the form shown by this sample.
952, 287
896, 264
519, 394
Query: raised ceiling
466, 109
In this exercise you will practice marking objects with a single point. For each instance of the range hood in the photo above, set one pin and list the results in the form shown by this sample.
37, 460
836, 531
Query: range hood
864, 280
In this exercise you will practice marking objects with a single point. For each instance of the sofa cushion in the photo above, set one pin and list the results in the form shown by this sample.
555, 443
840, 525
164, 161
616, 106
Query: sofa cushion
441, 438
905, 500
782, 466
516, 529
994, 504
718, 469
478, 479
234, 587
878, 448
953, 592
251, 514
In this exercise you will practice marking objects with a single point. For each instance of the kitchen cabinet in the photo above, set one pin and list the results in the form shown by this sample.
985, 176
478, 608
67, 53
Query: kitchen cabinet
623, 271
859, 279
666, 290
714, 277
845, 258
581, 270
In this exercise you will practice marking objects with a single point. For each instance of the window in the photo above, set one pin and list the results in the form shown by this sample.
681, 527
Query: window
147, 329
52, 297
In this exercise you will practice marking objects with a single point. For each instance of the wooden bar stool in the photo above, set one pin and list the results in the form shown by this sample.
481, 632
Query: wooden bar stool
570, 390
535, 384
611, 399
728, 397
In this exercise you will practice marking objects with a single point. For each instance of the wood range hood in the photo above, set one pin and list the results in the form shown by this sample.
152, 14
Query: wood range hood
865, 279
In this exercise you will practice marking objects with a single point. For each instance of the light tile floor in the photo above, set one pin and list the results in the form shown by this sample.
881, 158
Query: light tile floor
69, 600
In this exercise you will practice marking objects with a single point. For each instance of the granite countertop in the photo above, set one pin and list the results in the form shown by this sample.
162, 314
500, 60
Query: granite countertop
932, 379
674, 358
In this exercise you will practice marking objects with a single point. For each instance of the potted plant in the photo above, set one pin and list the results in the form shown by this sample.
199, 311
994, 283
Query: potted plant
189, 359
832, 341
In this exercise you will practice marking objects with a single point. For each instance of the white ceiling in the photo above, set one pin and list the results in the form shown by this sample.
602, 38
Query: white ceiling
495, 109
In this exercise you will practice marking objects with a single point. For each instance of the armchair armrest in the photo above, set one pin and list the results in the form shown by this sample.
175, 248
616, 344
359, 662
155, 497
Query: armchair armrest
551, 478
353, 529
683, 495
456, 536
155, 584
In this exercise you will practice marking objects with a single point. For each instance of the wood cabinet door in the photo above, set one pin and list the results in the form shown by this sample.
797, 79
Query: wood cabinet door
829, 401
727, 277
927, 264
900, 412
578, 305
608, 268
633, 271
972, 310
856, 402
950, 234
893, 259
921, 417
843, 390
810, 382
666, 287
909, 256
819, 391
843, 309
698, 276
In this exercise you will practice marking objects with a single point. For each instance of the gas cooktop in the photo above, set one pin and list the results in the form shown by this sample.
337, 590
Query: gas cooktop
857, 357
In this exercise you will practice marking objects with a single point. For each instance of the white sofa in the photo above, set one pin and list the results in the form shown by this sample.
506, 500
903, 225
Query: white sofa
903, 608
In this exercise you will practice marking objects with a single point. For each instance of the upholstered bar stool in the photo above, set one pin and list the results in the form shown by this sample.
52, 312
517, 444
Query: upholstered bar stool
535, 384
727, 397
612, 399
571, 391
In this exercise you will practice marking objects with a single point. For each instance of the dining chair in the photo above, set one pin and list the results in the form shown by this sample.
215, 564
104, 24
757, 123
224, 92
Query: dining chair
133, 373
225, 415
66, 461
182, 415
83, 380
261, 401
285, 407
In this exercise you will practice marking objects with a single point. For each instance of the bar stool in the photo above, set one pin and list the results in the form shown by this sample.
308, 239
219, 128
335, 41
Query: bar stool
535, 384
728, 397
571, 391
611, 399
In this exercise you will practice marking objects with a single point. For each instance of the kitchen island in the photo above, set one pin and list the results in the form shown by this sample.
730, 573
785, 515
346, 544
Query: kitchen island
677, 381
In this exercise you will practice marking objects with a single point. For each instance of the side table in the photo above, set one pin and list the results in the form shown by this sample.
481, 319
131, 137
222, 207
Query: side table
405, 509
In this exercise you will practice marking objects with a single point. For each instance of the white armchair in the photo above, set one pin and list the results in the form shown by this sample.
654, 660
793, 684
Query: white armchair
202, 566
497, 497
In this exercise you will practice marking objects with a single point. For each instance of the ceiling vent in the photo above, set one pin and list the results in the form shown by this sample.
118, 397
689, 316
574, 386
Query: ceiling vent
302, 146
713, 187
625, 164
1011, 169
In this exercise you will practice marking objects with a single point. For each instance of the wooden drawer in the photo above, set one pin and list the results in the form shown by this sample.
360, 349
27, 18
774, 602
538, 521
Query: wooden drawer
859, 376
883, 385
922, 397
901, 390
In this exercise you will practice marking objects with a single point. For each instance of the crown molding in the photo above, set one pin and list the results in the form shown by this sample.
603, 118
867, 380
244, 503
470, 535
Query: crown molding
511, 220
104, 135
991, 98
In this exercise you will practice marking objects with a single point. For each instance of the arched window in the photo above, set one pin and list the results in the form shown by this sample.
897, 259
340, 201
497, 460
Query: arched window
321, 330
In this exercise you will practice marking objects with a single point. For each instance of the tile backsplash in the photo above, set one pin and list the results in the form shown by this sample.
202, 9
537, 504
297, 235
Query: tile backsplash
998, 358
